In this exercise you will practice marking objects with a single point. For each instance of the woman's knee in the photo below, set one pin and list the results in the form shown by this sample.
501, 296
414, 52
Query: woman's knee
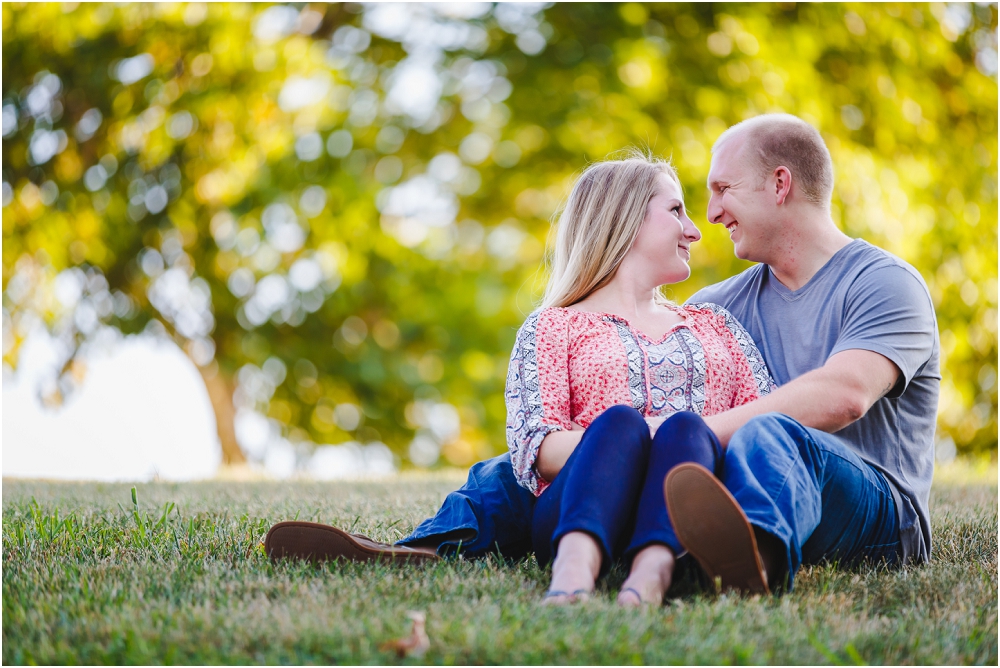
623, 428
682, 425
622, 419
685, 437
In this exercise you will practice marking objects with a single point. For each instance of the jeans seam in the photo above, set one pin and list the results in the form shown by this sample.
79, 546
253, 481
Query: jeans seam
877, 488
784, 482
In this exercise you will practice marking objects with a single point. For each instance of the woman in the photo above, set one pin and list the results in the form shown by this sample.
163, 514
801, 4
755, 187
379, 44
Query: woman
598, 367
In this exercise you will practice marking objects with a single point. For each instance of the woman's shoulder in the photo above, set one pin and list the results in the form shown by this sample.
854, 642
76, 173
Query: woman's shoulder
560, 318
565, 314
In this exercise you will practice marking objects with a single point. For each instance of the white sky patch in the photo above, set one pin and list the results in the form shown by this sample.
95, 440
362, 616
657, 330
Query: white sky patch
274, 23
130, 70
142, 411
282, 227
301, 92
414, 89
462, 10
412, 208
351, 460
422, 198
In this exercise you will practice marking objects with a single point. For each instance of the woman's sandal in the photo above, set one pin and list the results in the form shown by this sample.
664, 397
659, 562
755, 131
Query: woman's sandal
320, 542
637, 595
578, 596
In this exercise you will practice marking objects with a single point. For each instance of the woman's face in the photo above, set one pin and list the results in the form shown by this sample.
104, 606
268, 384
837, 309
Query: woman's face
663, 245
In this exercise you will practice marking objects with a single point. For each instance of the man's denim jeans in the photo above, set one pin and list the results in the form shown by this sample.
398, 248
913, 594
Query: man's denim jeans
811, 490
489, 513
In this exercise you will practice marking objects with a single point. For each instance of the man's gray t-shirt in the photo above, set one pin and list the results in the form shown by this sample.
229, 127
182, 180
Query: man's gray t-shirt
863, 298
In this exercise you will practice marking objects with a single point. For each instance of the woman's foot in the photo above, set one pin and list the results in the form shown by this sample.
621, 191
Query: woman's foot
574, 570
649, 579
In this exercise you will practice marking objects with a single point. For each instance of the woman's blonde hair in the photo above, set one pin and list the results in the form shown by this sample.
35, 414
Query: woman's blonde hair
599, 223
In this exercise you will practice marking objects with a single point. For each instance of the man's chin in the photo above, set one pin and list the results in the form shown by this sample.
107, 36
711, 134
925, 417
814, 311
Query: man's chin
745, 251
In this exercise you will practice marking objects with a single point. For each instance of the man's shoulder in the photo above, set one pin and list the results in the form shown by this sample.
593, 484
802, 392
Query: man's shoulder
864, 255
878, 267
724, 291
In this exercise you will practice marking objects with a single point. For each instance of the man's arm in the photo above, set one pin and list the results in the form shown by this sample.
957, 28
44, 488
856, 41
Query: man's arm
828, 398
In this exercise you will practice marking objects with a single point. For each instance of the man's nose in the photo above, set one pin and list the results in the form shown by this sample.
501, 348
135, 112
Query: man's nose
715, 211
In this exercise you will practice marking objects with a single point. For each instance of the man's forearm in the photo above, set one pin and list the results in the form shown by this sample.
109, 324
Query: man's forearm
810, 403
828, 398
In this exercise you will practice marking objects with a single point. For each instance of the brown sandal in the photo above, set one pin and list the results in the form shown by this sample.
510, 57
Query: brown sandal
320, 542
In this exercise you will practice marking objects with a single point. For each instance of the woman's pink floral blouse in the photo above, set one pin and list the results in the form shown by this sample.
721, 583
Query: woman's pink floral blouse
570, 366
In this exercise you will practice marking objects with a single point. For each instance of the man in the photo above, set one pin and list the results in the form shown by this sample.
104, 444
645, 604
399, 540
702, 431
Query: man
837, 462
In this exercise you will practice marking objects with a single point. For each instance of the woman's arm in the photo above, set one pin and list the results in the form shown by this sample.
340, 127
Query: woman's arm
537, 396
555, 450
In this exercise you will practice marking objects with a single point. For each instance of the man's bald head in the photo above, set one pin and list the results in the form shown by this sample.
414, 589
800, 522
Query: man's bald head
773, 140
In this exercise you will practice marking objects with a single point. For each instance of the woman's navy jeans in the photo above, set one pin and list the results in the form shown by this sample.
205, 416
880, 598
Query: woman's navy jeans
612, 485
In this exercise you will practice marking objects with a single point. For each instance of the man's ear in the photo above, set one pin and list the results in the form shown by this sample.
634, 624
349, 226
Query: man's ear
782, 184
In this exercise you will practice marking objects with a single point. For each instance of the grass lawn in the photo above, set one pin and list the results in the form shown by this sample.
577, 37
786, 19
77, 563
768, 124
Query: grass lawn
87, 579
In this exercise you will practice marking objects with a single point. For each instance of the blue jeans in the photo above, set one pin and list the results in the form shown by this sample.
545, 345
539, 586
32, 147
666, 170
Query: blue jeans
612, 484
813, 492
490, 513
804, 486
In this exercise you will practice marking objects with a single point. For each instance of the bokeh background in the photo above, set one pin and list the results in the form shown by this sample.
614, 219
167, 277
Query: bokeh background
331, 219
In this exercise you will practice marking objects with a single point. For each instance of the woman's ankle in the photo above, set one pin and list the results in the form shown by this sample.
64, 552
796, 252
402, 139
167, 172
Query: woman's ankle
651, 574
577, 563
581, 547
657, 553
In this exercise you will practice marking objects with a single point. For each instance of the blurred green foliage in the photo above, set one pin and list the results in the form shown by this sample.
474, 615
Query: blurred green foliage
340, 211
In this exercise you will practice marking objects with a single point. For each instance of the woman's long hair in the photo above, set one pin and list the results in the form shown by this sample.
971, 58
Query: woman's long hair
599, 223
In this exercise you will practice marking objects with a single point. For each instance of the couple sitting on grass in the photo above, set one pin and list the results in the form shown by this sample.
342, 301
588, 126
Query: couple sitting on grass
782, 417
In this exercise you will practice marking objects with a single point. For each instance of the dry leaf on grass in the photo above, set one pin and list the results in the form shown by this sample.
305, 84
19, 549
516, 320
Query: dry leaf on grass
416, 643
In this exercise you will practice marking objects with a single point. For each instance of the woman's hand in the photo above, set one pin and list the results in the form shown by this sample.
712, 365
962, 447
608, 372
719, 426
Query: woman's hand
654, 424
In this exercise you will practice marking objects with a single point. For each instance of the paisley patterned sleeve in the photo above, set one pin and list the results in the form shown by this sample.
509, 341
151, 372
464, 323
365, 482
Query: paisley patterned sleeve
762, 380
537, 393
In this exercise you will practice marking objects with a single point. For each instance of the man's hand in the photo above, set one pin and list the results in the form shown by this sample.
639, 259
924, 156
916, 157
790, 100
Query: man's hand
828, 398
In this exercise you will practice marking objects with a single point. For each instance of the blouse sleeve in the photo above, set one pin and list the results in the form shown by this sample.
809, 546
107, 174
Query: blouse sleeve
757, 380
537, 393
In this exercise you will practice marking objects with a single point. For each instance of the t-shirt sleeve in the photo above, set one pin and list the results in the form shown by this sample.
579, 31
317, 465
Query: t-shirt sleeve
537, 392
889, 312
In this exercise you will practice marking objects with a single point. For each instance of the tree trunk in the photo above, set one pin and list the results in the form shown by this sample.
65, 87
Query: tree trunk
220, 392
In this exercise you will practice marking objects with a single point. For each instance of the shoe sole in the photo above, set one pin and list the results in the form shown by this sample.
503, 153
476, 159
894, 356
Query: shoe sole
321, 542
711, 525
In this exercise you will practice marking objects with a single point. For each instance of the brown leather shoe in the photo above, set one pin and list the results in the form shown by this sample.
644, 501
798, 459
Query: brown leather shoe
711, 525
320, 542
